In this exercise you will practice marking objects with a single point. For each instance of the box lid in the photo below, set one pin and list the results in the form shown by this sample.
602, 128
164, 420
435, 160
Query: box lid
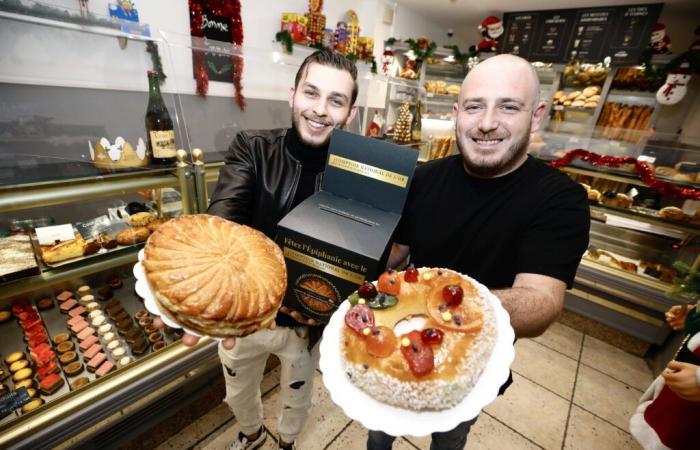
342, 222
368, 170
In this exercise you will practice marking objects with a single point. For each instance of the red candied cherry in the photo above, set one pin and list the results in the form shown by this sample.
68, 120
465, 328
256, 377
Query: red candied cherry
452, 294
431, 336
411, 274
367, 291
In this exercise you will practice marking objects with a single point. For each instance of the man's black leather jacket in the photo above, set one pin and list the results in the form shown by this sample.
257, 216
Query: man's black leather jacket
256, 187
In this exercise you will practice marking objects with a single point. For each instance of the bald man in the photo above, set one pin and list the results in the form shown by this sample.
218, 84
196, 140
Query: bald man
494, 213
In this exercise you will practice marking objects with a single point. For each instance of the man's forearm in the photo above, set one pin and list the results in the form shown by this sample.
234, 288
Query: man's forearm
531, 310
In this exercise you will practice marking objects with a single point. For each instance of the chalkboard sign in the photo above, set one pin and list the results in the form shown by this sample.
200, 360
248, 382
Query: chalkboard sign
589, 34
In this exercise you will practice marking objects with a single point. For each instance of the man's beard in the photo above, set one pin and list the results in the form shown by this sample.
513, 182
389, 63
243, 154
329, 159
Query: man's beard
295, 124
510, 159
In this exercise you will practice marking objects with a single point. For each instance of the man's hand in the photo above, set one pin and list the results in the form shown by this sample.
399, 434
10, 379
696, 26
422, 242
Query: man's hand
296, 315
676, 316
681, 378
191, 340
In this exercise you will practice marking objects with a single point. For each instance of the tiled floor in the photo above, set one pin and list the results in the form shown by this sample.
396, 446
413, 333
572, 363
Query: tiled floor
570, 391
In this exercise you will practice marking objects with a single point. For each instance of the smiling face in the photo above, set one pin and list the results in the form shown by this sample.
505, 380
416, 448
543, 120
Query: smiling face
320, 102
497, 110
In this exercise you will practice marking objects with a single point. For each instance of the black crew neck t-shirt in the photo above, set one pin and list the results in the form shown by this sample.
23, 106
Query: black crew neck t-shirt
532, 220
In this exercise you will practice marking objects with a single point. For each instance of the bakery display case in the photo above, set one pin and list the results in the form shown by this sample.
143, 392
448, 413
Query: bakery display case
637, 232
78, 198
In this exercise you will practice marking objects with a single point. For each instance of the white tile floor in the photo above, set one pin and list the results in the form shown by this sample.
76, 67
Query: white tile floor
570, 391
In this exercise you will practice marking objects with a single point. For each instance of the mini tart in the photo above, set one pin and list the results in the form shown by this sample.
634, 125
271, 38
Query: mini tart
68, 357
64, 347
83, 290
74, 368
124, 361
155, 337
113, 345
104, 293
139, 346
159, 345
44, 303
5, 316
32, 405
18, 365
14, 356
141, 313
22, 374
33, 393
27, 384
104, 329
61, 338
93, 306
80, 382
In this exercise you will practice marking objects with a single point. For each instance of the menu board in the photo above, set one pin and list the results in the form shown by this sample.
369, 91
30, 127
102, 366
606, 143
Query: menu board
589, 35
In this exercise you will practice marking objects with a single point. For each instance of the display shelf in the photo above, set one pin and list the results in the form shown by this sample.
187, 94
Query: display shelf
59, 275
632, 97
34, 195
646, 218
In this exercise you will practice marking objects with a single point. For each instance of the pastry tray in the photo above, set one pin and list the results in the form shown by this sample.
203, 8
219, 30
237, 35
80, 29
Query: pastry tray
12, 337
79, 260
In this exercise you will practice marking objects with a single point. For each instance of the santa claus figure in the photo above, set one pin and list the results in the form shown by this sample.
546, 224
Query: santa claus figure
491, 29
659, 41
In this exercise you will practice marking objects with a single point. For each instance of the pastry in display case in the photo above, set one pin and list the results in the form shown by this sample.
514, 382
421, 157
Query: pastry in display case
77, 346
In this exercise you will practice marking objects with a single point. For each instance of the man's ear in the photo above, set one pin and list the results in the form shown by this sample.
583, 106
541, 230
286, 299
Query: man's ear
353, 113
291, 97
538, 116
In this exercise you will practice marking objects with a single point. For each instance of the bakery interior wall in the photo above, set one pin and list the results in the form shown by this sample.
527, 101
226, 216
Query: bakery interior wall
115, 105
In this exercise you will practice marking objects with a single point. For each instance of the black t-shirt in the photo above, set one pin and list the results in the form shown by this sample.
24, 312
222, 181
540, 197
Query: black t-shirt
532, 220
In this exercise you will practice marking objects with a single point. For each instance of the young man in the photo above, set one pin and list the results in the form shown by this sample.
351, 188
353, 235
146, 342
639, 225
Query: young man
267, 173
494, 213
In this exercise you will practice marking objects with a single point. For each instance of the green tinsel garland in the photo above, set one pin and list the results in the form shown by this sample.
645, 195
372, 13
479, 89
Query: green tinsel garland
152, 48
286, 39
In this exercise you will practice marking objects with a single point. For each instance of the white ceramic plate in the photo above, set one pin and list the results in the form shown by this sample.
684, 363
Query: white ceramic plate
375, 415
143, 289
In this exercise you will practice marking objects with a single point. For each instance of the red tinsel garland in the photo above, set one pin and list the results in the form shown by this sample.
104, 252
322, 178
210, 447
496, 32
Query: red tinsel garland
222, 8
644, 170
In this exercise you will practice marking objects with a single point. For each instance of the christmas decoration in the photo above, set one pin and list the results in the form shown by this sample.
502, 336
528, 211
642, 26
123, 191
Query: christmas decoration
491, 29
340, 38
375, 128
659, 42
296, 25
422, 48
675, 87
402, 128
152, 48
316, 23
388, 61
409, 71
285, 39
353, 31
215, 19
644, 170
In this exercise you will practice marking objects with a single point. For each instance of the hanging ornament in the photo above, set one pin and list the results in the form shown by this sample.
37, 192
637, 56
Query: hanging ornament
644, 170
676, 86
218, 20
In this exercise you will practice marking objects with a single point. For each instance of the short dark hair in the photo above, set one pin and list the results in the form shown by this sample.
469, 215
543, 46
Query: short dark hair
330, 59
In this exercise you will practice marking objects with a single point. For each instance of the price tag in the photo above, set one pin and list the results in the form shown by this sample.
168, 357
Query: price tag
646, 158
558, 107
49, 235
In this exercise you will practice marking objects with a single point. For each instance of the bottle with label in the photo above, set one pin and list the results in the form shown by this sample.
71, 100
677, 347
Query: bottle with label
159, 125
416, 124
